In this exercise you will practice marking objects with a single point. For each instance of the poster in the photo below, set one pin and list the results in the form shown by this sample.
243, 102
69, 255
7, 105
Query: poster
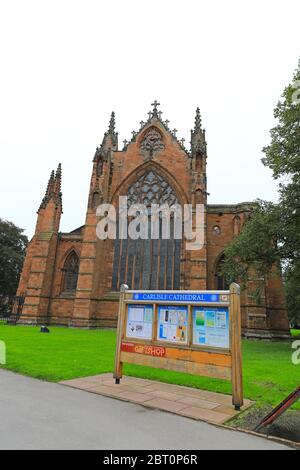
172, 323
139, 321
211, 326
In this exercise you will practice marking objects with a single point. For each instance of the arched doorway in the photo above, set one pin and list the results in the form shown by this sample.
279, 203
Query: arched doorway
148, 263
221, 283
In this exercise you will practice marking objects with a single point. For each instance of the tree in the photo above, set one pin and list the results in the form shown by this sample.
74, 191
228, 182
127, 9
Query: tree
252, 249
13, 245
283, 153
272, 234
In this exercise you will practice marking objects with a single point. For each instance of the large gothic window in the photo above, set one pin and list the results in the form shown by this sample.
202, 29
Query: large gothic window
151, 188
70, 273
151, 263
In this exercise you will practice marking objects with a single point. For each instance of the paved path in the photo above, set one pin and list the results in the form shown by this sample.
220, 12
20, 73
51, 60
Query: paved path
41, 415
207, 406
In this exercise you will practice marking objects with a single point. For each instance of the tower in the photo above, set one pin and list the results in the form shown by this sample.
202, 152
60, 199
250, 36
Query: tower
93, 250
37, 275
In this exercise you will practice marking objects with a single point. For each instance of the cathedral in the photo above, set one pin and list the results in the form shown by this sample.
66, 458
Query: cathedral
73, 279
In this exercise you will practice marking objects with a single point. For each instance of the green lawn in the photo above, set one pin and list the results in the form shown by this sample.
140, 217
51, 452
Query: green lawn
295, 333
269, 374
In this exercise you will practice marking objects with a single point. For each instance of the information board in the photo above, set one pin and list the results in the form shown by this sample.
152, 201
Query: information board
194, 332
184, 296
172, 323
139, 321
211, 326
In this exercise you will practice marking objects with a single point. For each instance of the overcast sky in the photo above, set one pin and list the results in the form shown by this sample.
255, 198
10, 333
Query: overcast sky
65, 65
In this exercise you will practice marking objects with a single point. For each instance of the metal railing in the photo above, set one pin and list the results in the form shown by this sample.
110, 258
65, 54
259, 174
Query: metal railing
11, 307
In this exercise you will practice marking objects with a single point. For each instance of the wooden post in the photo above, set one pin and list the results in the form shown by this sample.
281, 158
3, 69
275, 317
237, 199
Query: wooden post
236, 350
154, 322
121, 314
189, 331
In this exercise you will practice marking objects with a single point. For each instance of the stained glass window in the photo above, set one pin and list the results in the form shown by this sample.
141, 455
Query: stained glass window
151, 263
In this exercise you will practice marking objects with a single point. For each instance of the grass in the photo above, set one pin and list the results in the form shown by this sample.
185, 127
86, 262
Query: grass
295, 333
65, 353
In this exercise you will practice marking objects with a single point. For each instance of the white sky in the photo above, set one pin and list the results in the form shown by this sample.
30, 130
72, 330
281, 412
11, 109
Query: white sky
65, 65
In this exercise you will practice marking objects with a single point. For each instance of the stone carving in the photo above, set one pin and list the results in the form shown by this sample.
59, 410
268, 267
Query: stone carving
99, 168
152, 142
151, 188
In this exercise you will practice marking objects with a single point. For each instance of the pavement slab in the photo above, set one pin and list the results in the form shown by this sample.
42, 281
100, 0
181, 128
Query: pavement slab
197, 404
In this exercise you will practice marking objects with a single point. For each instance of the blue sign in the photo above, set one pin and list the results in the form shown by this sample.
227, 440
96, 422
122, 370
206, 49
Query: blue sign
185, 297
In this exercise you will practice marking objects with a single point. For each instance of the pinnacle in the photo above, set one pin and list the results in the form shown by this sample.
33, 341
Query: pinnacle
197, 120
112, 123
57, 183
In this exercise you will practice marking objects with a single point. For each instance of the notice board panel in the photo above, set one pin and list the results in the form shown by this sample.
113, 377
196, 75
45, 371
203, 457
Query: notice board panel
211, 326
172, 323
139, 321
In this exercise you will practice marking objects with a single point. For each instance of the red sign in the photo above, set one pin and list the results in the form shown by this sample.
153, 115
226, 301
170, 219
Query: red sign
157, 351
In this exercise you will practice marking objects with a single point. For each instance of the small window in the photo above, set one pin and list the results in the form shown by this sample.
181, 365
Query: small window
216, 230
236, 225
95, 199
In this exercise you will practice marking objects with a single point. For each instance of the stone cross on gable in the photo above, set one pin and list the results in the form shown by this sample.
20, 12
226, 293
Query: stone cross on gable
155, 104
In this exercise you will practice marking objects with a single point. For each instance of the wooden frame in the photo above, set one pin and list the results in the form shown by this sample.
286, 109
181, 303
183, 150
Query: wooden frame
211, 361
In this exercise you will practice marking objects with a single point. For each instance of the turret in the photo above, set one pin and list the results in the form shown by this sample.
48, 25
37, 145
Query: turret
198, 163
103, 165
37, 275
50, 209
198, 142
